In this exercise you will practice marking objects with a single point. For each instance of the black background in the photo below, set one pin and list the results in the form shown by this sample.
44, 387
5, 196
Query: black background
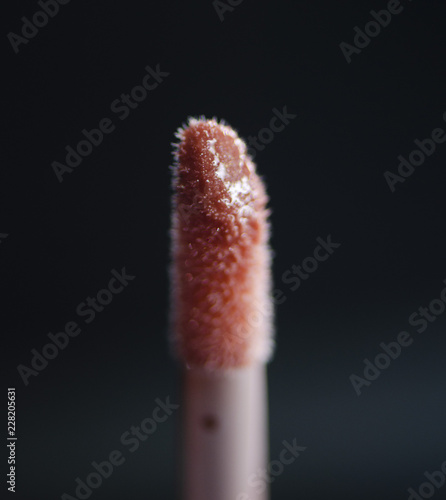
325, 175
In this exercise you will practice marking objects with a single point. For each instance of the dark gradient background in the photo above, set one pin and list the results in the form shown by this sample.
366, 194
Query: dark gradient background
325, 175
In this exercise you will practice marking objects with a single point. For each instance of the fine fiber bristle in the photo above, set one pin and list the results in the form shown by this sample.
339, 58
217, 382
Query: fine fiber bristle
221, 307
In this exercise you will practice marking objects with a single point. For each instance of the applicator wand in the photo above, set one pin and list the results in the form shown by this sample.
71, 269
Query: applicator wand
221, 311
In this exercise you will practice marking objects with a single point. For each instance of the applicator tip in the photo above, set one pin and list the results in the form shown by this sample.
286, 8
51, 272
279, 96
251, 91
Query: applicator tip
221, 307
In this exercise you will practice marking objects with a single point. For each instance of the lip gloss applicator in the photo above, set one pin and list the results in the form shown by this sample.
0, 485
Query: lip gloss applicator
221, 311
